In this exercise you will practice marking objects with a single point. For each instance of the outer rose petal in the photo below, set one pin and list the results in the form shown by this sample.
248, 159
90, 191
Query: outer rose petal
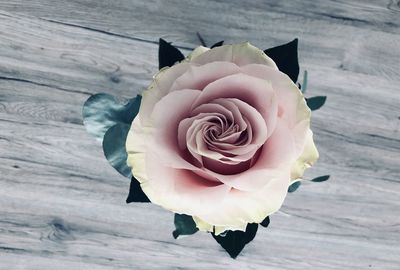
307, 159
142, 139
181, 76
196, 52
180, 191
292, 106
241, 54
198, 77
165, 119
240, 207
206, 227
136, 146
160, 87
294, 110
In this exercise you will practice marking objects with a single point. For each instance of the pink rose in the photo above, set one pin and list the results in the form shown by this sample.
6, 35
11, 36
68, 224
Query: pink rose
220, 137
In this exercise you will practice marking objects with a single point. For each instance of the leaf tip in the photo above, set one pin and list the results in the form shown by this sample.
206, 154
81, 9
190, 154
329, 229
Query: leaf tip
321, 178
294, 186
265, 222
175, 234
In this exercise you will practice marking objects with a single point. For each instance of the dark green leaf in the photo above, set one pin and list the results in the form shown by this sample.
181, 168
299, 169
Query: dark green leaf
220, 43
136, 193
314, 103
234, 241
293, 187
286, 58
184, 225
265, 222
168, 55
114, 148
321, 178
102, 111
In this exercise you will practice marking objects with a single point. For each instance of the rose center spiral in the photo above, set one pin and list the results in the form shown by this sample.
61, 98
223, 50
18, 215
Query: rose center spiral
220, 135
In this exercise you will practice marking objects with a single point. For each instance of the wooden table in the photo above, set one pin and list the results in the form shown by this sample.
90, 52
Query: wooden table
63, 207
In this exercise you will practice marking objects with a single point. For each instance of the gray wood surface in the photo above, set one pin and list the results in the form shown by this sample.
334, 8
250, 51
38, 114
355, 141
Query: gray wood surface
62, 206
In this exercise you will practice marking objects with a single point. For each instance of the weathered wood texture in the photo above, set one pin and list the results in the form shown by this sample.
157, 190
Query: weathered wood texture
62, 206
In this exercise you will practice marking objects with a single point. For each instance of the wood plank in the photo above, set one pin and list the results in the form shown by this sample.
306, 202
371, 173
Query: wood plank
71, 59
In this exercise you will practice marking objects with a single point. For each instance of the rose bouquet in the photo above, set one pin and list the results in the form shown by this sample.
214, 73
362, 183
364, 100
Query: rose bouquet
219, 137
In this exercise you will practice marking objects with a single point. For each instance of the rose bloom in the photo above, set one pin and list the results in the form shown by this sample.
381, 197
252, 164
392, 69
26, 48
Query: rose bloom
220, 137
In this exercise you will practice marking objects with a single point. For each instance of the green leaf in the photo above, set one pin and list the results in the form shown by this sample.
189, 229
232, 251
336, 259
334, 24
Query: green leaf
168, 55
321, 178
265, 222
293, 187
234, 241
102, 111
184, 225
136, 193
305, 82
220, 43
114, 148
286, 58
314, 103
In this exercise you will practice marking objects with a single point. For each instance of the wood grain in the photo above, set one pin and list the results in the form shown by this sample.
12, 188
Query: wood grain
62, 206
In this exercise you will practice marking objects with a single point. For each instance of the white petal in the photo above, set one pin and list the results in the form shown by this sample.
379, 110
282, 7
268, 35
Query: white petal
292, 105
196, 52
198, 77
239, 207
307, 159
240, 54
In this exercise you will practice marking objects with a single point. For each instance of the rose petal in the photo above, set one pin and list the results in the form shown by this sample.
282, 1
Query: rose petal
256, 123
187, 123
293, 107
240, 207
196, 52
226, 168
165, 118
210, 108
299, 132
189, 129
198, 77
217, 230
256, 92
276, 158
231, 112
160, 87
195, 140
199, 147
307, 158
180, 191
240, 54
